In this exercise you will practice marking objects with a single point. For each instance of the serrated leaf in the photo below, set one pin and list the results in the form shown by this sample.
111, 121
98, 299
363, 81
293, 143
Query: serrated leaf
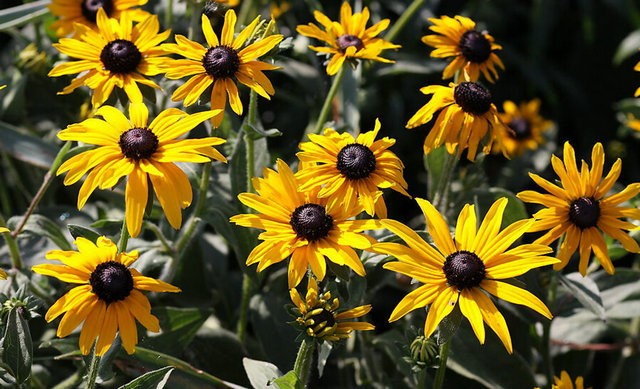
586, 291
154, 379
79, 231
21, 14
18, 346
261, 374
288, 381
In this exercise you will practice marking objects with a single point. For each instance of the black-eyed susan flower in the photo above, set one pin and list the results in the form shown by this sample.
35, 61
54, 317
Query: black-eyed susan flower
223, 64
467, 117
144, 153
471, 51
466, 269
85, 12
353, 169
319, 316
524, 127
303, 225
107, 298
580, 210
116, 55
565, 382
349, 39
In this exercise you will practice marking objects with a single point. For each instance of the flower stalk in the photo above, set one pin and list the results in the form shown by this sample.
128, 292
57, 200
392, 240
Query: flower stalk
94, 367
326, 106
302, 365
403, 19
442, 367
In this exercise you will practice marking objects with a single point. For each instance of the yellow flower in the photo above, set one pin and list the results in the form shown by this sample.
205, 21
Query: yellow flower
565, 382
300, 224
117, 55
472, 51
353, 169
222, 64
632, 122
580, 210
524, 127
348, 39
70, 12
318, 314
107, 298
143, 153
464, 270
467, 116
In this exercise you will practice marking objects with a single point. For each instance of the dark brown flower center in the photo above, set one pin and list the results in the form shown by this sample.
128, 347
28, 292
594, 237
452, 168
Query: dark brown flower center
221, 62
584, 212
138, 143
356, 161
90, 8
472, 97
348, 40
520, 129
323, 316
111, 281
475, 46
311, 222
120, 56
464, 269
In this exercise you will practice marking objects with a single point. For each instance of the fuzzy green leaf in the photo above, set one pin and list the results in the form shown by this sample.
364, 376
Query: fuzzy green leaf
154, 379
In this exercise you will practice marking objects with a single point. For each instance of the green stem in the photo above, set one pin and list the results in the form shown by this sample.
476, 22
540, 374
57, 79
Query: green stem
160, 236
546, 327
93, 370
248, 281
403, 19
124, 237
48, 178
326, 107
247, 292
246, 9
195, 220
14, 252
302, 366
441, 193
168, 15
442, 367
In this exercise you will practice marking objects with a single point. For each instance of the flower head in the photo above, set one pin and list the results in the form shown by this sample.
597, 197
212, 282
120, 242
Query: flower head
303, 225
107, 298
353, 169
524, 127
472, 51
467, 116
115, 55
319, 317
348, 39
222, 64
85, 12
565, 382
580, 210
463, 270
143, 153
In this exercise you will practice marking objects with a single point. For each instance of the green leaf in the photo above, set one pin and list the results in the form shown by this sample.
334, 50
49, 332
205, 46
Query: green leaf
27, 148
323, 356
289, 381
179, 326
18, 346
586, 291
449, 325
628, 47
238, 163
44, 227
261, 374
79, 231
154, 379
22, 14
514, 211
434, 164
490, 363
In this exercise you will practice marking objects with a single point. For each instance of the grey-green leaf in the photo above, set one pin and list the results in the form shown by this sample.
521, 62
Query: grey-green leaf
586, 291
18, 346
154, 379
261, 374
21, 14
27, 148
